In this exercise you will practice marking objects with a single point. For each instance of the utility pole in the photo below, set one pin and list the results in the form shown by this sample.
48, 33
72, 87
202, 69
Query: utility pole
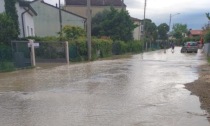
89, 28
170, 20
144, 33
60, 19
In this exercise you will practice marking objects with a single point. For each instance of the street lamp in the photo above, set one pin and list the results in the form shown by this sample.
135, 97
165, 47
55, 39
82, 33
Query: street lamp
171, 15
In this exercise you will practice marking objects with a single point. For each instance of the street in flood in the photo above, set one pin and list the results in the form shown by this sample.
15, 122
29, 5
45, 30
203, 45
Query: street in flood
144, 90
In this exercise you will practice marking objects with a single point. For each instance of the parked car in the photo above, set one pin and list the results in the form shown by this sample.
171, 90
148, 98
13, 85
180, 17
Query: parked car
190, 47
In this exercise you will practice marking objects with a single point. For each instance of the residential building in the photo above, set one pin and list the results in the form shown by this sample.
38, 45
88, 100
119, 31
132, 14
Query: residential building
138, 31
25, 17
49, 20
80, 6
195, 33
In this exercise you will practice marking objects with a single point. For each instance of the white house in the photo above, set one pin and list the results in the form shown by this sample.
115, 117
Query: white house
25, 17
138, 31
48, 23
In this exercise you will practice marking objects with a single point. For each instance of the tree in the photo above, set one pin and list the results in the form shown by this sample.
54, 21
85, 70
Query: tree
11, 11
208, 16
179, 30
150, 29
115, 24
7, 31
163, 29
73, 32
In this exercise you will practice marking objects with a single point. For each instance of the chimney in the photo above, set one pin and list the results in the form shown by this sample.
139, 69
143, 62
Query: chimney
122, 4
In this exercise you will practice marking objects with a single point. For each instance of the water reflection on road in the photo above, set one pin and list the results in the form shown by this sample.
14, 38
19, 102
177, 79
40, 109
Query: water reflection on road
145, 90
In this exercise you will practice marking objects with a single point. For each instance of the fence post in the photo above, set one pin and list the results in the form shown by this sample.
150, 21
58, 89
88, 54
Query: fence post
33, 61
67, 52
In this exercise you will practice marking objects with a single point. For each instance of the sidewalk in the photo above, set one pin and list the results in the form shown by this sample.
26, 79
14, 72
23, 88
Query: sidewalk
201, 88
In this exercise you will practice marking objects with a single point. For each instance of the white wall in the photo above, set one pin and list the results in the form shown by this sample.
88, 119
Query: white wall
137, 31
47, 20
2, 9
27, 22
29, 25
206, 49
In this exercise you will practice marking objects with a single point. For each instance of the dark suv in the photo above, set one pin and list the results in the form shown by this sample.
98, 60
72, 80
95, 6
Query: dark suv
190, 47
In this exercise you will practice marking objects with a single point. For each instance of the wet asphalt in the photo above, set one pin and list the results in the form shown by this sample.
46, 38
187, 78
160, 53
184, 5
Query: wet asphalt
144, 90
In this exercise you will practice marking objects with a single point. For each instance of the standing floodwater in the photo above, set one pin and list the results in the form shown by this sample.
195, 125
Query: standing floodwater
145, 90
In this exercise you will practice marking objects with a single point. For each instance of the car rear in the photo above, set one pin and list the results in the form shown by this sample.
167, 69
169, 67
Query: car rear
192, 47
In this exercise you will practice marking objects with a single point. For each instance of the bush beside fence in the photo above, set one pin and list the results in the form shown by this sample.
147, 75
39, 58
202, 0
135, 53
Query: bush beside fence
102, 48
6, 63
78, 51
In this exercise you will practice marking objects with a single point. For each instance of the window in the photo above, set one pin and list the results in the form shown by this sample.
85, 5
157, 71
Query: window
32, 32
28, 31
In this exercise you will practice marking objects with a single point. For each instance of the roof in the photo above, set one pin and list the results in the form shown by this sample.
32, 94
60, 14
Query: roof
196, 32
135, 19
96, 2
42, 1
27, 4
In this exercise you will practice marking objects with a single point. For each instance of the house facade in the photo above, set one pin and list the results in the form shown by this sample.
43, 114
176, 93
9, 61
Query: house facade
47, 22
25, 17
2, 9
80, 6
138, 31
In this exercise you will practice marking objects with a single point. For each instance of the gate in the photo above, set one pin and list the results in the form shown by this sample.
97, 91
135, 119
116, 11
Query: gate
28, 53
50, 52
21, 54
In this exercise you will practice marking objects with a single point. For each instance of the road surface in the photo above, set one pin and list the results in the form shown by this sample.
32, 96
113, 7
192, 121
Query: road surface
145, 90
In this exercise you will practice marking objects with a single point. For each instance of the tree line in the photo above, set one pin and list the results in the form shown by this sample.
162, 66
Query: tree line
112, 23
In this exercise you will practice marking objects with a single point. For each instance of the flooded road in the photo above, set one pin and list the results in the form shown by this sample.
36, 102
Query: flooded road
145, 90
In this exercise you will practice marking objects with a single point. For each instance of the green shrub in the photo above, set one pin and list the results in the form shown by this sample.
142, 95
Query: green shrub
6, 66
45, 39
50, 50
73, 32
207, 37
5, 52
135, 46
102, 47
120, 47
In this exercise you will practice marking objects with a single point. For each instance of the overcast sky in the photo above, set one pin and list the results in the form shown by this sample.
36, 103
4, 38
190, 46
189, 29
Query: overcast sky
192, 12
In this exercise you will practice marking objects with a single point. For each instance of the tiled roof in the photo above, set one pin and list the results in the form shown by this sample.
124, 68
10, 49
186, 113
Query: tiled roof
96, 2
196, 32
135, 19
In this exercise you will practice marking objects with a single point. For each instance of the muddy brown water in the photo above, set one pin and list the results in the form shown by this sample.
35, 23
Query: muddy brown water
145, 90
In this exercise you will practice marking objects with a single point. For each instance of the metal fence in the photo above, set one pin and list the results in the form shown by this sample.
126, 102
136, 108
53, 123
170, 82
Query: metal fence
21, 54
50, 52
44, 52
